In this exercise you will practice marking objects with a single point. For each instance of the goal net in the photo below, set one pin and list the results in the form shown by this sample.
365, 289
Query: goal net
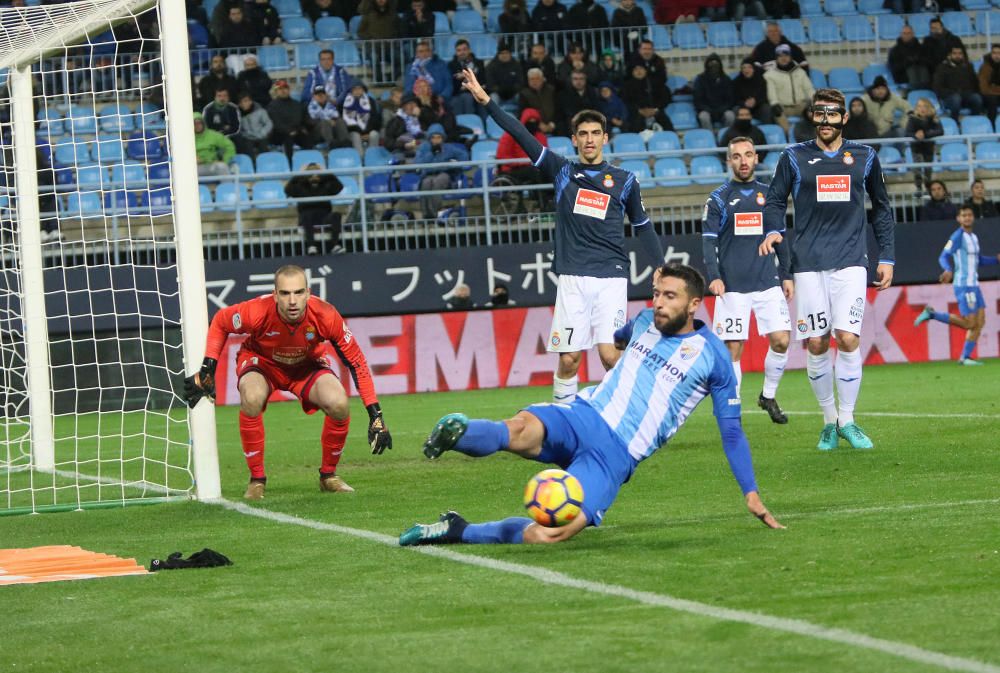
94, 307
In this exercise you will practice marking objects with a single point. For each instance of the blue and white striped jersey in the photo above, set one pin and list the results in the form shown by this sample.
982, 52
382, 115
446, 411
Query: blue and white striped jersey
659, 381
962, 248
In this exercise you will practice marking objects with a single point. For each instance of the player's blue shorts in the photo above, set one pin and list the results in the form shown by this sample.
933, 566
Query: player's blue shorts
579, 441
970, 299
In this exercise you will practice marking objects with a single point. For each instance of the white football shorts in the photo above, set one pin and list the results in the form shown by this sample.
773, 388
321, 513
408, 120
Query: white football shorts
826, 300
732, 313
588, 311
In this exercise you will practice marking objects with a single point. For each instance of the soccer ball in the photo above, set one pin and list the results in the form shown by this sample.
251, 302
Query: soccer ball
553, 497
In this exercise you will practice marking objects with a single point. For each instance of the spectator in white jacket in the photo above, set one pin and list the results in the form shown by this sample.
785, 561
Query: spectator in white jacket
789, 88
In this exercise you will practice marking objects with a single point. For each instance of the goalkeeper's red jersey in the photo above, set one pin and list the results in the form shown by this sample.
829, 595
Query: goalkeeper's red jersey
294, 347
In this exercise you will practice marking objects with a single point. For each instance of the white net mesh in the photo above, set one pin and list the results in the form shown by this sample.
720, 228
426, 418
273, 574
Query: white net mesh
109, 257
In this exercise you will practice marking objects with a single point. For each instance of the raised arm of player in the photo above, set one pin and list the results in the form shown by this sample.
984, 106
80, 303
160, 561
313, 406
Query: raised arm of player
711, 223
883, 222
507, 122
777, 203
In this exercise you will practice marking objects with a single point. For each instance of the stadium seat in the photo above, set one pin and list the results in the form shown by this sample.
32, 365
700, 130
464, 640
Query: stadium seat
484, 46
675, 82
976, 125
159, 173
640, 168
817, 78
273, 57
307, 54
445, 44
272, 162
699, 139
159, 201
379, 183
839, 8
769, 163
810, 8
72, 154
116, 119
121, 201
108, 150
198, 37
91, 177
950, 127
682, 115
562, 145
343, 157
467, 21
953, 155
152, 117
409, 182
752, 32
353, 24
793, 30
845, 79
889, 27
660, 35
346, 54
988, 155
129, 176
671, 172
493, 13
663, 141
473, 122
723, 34
81, 120
689, 36
628, 142
302, 158
874, 70
773, 134
975, 4
988, 22
205, 198
286, 8
913, 96
958, 23
269, 194
297, 29
441, 25
225, 196
706, 170
484, 150
824, 30
921, 24
871, 7
83, 204
493, 129
50, 122
244, 163
891, 159
858, 29
349, 194
330, 28
377, 156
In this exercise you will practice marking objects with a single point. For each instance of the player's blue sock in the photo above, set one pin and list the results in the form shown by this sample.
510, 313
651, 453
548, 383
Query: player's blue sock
967, 349
507, 531
940, 317
483, 438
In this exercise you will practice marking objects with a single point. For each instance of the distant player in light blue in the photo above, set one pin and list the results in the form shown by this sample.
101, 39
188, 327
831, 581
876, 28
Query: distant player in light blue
670, 363
961, 260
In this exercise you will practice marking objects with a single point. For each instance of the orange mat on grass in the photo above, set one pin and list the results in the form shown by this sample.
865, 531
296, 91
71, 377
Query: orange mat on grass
61, 562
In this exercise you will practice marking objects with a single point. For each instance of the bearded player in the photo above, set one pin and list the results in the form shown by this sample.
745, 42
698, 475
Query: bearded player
291, 337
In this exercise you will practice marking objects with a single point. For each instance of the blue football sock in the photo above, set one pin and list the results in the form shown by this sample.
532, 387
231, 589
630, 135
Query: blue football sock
940, 317
967, 349
483, 438
508, 531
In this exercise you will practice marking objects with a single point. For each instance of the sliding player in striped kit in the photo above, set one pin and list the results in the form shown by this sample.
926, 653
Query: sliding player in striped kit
960, 261
670, 363
732, 230
828, 179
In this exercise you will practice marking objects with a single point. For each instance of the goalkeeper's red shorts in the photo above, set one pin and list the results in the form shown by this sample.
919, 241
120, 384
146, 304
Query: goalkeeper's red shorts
296, 380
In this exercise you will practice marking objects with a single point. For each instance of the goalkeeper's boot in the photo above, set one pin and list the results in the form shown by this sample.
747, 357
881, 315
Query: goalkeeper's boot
447, 530
255, 489
446, 434
770, 405
855, 436
828, 437
924, 316
331, 483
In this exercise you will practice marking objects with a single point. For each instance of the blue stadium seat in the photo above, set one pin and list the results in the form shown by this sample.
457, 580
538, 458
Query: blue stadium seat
409, 182
209, 6
205, 198
346, 53
350, 192
159, 201
330, 28
91, 177
689, 36
858, 29
225, 196
272, 162
793, 30
484, 46
445, 44
988, 155
773, 134
269, 194
707, 170
950, 127
286, 8
817, 78
85, 204
484, 150
839, 7
561, 145
297, 29
810, 8
697, 139
871, 7
988, 22
958, 23
108, 150
493, 13
752, 32
72, 154
82, 119
976, 125
116, 118
824, 30
302, 158
474, 122
675, 82
640, 168
845, 79
50, 122
129, 176
921, 24
890, 26
493, 129
916, 94
152, 117
671, 172
682, 115
198, 37
975, 4
467, 21
952, 156
307, 53
244, 162
273, 57
379, 183
159, 173
343, 157
723, 34
121, 201
663, 141
660, 35
353, 24
874, 70
377, 156
441, 25
891, 159
628, 142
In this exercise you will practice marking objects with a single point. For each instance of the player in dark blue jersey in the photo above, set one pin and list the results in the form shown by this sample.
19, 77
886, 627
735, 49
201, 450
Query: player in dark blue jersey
592, 199
732, 230
828, 179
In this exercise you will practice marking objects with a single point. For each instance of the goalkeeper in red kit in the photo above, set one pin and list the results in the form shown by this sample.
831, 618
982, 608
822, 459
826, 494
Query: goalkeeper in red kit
291, 338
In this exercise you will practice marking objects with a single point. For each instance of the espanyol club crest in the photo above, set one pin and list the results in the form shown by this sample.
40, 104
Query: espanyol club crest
760, 199
608, 181
554, 340
802, 327
848, 159
718, 328
237, 321
619, 319
310, 332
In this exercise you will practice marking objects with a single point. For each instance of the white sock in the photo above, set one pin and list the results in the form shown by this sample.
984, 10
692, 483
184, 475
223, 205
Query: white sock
820, 370
848, 383
774, 367
738, 372
564, 390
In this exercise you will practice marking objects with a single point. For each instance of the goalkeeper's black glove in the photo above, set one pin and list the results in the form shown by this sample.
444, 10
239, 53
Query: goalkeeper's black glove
201, 383
378, 436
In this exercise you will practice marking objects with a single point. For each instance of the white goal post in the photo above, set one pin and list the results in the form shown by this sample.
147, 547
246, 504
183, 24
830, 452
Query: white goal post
102, 284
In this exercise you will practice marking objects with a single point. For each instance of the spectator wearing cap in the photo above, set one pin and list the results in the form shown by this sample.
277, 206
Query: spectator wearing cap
750, 91
885, 108
789, 88
427, 66
292, 124
361, 117
334, 78
437, 151
221, 115
765, 53
504, 78
212, 150
254, 80
326, 119
255, 127
405, 130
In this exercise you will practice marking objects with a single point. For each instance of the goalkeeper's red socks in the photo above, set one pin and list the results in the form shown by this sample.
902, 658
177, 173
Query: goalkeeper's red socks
332, 440
252, 437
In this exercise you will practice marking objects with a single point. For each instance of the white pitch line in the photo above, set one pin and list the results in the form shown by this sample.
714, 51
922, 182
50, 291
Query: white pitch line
796, 626
886, 414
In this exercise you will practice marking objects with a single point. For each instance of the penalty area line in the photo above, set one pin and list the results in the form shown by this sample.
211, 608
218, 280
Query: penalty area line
795, 626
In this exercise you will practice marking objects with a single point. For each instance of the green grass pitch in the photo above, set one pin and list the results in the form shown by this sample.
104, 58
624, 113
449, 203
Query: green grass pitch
900, 544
